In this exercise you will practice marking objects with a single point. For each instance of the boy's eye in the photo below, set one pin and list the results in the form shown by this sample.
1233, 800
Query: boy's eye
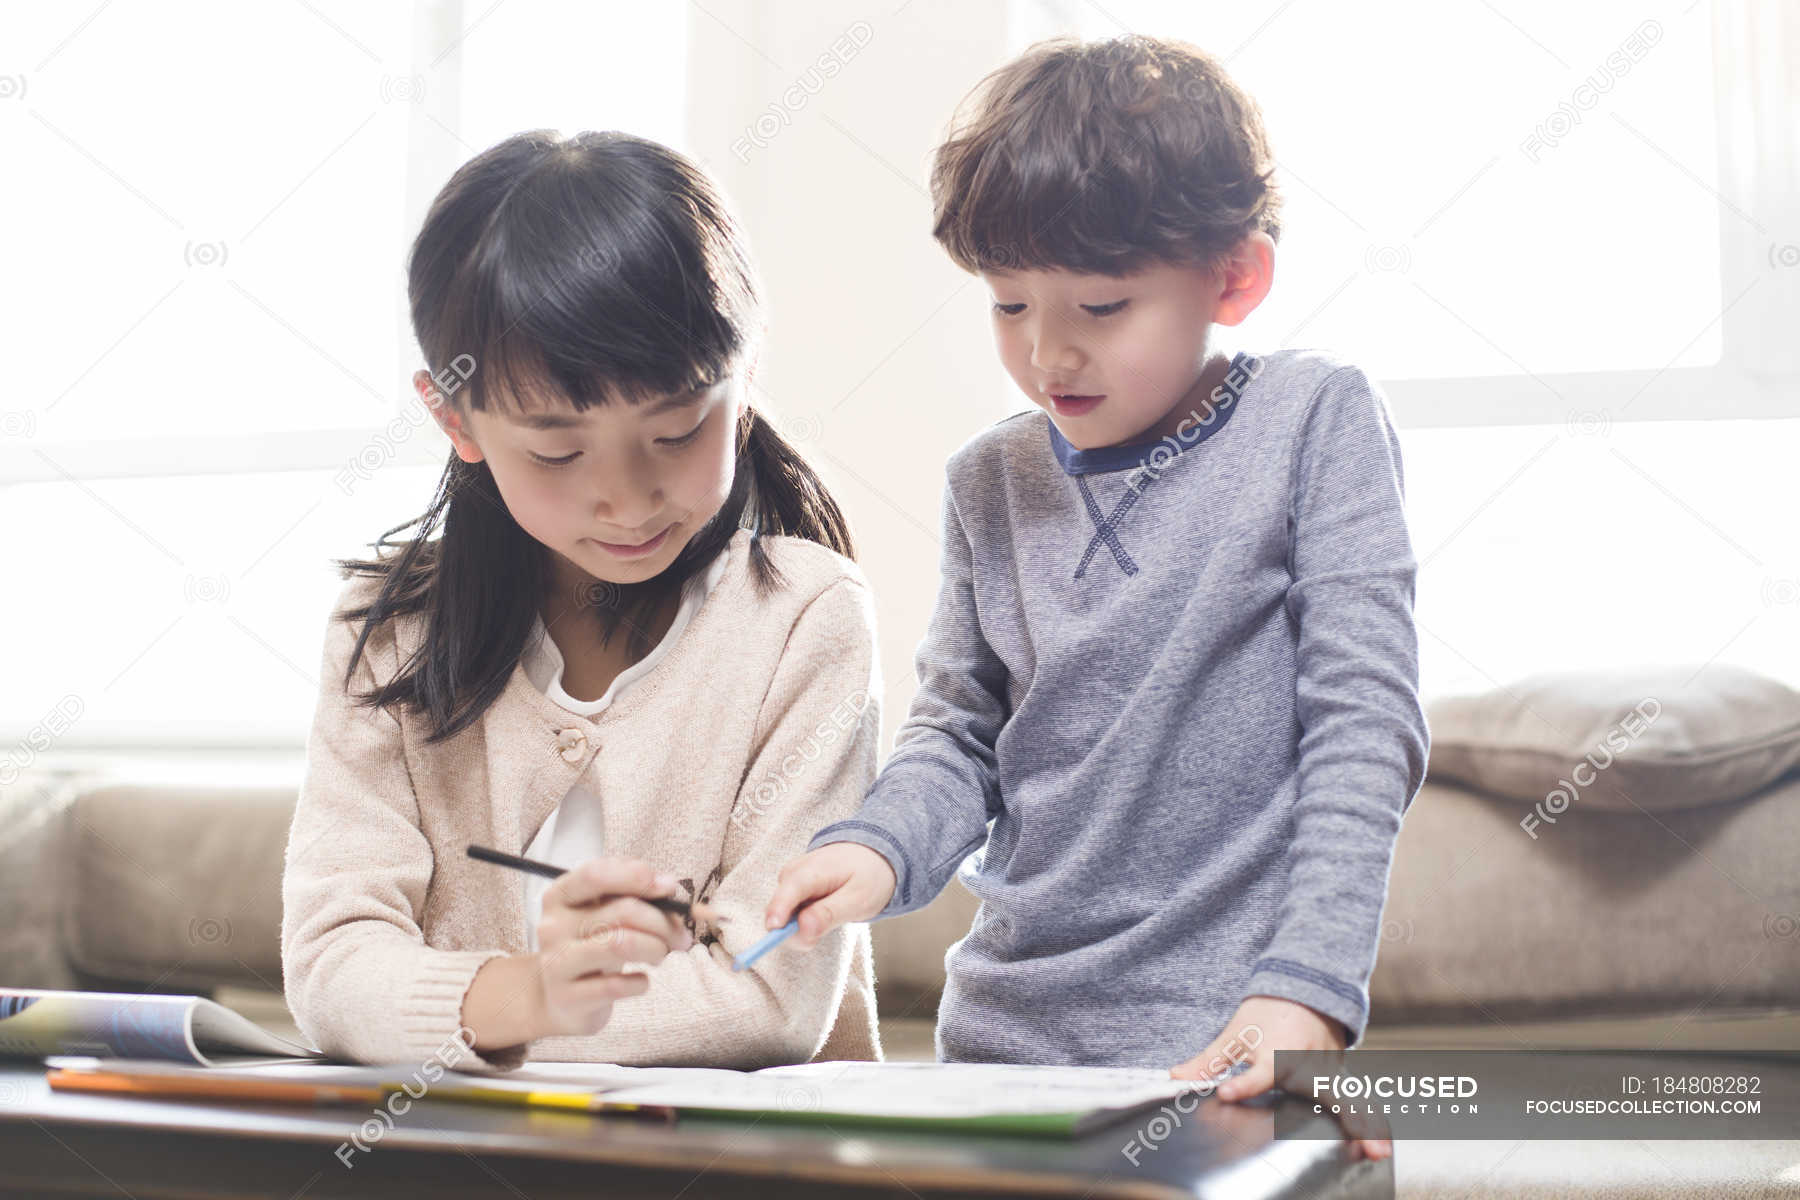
564, 461
1011, 310
1105, 310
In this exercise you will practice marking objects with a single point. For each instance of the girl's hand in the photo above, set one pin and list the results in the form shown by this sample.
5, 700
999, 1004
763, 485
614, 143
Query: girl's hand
1261, 1026
843, 881
593, 924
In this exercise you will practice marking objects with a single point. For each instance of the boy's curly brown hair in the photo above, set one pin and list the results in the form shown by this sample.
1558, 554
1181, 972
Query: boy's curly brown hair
1101, 158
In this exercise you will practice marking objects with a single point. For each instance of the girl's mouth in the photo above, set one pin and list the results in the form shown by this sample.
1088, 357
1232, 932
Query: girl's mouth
637, 551
1075, 406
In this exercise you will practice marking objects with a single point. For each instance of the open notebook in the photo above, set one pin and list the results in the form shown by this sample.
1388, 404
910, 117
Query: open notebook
36, 1023
954, 1097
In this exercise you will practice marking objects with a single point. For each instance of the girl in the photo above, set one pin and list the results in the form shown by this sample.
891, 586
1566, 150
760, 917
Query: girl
639, 649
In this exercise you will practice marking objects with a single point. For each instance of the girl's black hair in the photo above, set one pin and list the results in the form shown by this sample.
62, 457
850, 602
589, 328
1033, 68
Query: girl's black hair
596, 267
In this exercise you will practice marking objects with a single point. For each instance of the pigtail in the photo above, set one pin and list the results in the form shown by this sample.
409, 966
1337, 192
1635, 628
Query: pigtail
790, 498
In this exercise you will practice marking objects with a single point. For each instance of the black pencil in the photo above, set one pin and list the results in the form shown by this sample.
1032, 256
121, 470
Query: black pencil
668, 904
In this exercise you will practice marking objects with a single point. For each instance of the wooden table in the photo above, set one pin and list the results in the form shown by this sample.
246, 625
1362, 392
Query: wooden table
72, 1144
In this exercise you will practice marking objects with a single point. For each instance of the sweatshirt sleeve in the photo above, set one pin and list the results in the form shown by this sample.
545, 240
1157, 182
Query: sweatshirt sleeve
929, 809
360, 980
1363, 737
812, 756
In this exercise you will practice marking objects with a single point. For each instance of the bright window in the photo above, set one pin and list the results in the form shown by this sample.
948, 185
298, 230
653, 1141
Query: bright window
1474, 189
213, 204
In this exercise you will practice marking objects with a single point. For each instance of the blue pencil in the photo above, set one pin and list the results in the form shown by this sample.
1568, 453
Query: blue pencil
769, 941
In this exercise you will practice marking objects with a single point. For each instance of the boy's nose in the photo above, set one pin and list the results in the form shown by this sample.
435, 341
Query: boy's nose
1054, 355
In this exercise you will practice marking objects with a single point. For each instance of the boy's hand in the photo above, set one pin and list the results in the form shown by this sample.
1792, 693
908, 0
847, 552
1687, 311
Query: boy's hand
1261, 1026
844, 881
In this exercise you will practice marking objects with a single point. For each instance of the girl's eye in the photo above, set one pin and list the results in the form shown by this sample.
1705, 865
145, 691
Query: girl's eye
685, 438
1011, 310
1105, 310
566, 459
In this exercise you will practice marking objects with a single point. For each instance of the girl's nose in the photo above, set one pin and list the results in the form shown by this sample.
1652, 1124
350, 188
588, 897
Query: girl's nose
629, 515
629, 496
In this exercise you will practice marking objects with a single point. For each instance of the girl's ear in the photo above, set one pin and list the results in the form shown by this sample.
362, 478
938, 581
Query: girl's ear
745, 424
747, 401
445, 414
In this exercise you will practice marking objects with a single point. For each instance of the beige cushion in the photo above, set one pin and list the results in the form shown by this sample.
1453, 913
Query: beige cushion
1602, 913
34, 825
1646, 738
175, 884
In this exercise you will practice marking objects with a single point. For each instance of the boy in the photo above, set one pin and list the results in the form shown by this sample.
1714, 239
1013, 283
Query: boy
1172, 658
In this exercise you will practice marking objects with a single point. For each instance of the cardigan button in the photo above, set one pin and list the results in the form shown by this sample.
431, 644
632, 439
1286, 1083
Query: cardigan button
571, 743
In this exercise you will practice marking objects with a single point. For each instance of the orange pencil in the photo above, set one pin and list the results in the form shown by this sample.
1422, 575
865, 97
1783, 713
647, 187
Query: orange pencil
154, 1083
64, 1079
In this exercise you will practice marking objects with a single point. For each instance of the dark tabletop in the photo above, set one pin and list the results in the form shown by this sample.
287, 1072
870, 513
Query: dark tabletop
62, 1143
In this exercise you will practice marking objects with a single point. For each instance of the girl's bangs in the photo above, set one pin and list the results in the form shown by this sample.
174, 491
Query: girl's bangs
580, 299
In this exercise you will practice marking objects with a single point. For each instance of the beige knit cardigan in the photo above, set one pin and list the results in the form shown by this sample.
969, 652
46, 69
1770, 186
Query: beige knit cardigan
759, 727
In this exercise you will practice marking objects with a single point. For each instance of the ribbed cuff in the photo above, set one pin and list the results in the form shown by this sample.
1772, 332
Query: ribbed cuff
430, 1014
865, 833
1319, 991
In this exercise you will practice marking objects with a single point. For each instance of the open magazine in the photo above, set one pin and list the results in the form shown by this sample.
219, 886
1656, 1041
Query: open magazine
1043, 1101
1051, 1101
38, 1023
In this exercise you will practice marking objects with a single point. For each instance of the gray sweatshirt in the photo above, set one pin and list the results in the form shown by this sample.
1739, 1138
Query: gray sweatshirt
1167, 722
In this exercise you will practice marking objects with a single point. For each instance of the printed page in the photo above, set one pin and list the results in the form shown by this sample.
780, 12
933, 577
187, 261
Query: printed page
909, 1089
868, 1089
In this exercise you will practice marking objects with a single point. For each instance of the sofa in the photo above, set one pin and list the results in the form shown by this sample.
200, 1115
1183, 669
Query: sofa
1596, 860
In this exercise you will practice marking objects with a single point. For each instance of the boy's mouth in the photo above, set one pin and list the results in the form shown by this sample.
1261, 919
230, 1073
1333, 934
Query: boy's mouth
1074, 405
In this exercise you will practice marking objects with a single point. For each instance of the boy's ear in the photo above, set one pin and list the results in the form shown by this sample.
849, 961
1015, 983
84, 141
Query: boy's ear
1245, 279
445, 414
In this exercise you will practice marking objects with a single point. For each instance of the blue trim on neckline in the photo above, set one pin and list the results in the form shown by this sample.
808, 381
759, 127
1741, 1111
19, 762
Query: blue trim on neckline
1135, 454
